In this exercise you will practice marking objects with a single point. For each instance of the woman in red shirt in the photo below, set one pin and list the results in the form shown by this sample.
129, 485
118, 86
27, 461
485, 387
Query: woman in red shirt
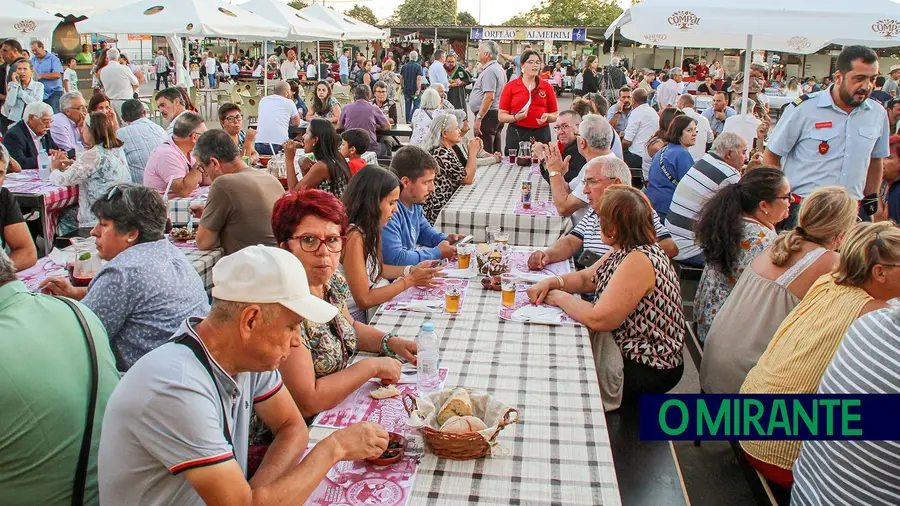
528, 104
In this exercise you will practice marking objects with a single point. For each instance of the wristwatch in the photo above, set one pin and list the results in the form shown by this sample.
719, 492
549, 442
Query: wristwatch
553, 173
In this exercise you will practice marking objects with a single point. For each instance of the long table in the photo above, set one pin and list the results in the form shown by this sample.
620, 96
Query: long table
32, 193
559, 451
395, 131
491, 201
203, 262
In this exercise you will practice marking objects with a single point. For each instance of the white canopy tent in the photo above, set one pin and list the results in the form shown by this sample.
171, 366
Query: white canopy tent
26, 23
797, 27
300, 28
184, 18
352, 29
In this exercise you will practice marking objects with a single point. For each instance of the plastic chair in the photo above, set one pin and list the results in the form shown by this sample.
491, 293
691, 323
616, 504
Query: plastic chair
341, 93
250, 110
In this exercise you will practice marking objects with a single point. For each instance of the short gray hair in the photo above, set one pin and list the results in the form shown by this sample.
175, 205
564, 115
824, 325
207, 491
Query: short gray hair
216, 144
186, 124
490, 47
133, 207
439, 54
439, 124
728, 141
37, 109
675, 71
7, 269
596, 132
431, 100
572, 114
413, 55
437, 86
113, 54
65, 101
362, 92
613, 168
281, 87
224, 311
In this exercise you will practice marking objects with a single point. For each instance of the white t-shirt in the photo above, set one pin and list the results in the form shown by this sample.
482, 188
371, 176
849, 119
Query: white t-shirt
744, 125
290, 69
211, 66
704, 133
257, 72
642, 124
118, 81
310, 72
72, 77
578, 189
275, 113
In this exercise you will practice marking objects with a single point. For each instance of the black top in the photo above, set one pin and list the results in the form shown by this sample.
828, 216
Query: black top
575, 164
591, 83
21, 147
10, 214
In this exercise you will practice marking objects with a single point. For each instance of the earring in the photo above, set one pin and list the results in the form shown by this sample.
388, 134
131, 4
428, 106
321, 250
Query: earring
131, 239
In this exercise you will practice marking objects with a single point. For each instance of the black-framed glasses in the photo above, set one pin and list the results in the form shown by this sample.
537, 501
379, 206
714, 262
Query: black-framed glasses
234, 117
311, 243
787, 198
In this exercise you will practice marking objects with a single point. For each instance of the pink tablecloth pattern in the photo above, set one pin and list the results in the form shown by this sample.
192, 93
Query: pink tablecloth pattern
43, 269
538, 208
55, 198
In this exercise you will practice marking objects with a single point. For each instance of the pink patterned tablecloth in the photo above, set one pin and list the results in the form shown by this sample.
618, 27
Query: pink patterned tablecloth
43, 269
538, 208
55, 198
360, 483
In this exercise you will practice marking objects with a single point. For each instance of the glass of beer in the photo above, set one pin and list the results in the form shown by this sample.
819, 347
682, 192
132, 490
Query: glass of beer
464, 255
452, 295
508, 289
502, 238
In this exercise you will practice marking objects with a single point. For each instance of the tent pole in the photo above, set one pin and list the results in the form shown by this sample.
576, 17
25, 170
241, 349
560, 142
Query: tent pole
187, 65
746, 92
318, 62
265, 70
681, 60
612, 47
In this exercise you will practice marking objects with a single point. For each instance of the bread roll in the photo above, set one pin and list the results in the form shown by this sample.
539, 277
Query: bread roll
385, 392
483, 248
458, 404
461, 424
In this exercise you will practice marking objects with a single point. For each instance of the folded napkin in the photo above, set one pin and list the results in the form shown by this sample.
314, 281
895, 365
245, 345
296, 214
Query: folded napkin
422, 306
538, 314
532, 276
60, 257
460, 273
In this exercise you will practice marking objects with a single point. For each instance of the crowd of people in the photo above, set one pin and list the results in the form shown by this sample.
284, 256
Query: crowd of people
188, 386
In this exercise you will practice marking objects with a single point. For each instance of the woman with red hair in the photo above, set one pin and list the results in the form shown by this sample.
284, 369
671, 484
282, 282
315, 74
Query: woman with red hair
312, 224
889, 201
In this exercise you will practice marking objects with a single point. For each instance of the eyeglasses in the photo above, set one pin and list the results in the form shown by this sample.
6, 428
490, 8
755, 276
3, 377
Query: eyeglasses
589, 181
533, 62
234, 117
311, 243
787, 198
561, 126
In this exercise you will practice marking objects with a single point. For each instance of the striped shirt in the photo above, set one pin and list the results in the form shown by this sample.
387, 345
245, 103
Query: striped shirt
856, 472
708, 175
797, 356
588, 230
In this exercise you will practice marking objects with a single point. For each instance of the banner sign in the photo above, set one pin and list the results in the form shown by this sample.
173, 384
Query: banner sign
502, 33
139, 37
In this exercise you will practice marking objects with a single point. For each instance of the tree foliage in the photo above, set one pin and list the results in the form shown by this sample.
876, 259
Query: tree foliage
465, 19
425, 12
362, 13
568, 13
298, 4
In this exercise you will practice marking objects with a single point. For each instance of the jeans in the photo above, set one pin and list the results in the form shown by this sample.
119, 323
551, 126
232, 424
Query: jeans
411, 105
212, 80
53, 101
345, 79
264, 148
164, 76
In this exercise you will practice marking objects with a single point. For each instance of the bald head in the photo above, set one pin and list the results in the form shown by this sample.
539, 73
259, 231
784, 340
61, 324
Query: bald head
685, 101
282, 88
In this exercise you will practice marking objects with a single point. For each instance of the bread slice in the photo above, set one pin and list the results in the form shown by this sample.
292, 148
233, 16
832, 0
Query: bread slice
459, 404
462, 424
385, 392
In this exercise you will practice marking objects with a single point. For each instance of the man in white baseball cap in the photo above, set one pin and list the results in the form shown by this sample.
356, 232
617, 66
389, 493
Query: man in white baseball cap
176, 428
891, 86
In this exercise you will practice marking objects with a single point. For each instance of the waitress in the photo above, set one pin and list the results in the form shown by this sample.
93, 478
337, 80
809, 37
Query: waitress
528, 104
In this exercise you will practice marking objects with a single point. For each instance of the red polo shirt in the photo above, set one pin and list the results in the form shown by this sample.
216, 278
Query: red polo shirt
515, 96
702, 72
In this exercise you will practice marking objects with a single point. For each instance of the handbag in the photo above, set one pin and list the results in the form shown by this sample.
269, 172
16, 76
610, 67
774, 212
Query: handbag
610, 369
84, 455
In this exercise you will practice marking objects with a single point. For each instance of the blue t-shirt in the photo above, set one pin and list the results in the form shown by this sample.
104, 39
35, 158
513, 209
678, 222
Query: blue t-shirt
50, 63
410, 72
678, 161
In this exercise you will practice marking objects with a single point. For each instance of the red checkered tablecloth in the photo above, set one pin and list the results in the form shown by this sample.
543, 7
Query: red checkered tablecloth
54, 198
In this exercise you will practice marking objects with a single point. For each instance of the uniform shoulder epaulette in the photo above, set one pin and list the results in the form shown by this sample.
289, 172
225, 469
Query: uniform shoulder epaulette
802, 98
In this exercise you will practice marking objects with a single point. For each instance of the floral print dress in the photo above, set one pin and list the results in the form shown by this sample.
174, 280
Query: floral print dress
332, 345
715, 286
94, 172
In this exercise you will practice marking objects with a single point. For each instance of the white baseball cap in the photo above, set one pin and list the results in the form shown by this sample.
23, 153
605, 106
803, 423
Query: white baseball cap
263, 274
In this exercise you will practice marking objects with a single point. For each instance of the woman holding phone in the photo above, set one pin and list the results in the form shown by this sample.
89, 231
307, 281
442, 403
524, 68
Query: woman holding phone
528, 104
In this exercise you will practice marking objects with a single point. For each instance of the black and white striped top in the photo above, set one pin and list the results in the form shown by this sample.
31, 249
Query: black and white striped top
856, 472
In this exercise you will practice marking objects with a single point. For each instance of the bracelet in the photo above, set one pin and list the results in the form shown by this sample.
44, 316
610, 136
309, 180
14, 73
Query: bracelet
384, 344
559, 278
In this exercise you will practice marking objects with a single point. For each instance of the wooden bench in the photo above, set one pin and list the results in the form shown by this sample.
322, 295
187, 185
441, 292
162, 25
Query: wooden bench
766, 494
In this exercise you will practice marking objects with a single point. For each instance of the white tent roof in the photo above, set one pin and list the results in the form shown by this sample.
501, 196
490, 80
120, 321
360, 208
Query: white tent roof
300, 27
73, 7
353, 29
25, 23
797, 27
185, 18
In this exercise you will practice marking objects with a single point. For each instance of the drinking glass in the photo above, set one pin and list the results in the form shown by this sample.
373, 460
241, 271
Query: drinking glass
492, 232
452, 295
508, 289
513, 153
464, 255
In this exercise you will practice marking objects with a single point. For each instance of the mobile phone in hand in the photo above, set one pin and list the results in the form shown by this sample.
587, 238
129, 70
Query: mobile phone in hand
464, 240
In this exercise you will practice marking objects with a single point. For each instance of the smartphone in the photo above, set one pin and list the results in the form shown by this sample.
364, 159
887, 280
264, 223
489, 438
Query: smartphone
588, 258
464, 240
444, 261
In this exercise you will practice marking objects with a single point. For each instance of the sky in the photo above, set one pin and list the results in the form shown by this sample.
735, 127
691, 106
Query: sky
493, 12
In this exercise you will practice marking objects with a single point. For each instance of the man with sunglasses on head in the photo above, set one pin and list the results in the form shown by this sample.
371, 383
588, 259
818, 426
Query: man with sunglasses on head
170, 165
834, 137
238, 211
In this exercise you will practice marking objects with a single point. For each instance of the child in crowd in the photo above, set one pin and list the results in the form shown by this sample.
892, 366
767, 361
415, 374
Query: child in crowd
354, 143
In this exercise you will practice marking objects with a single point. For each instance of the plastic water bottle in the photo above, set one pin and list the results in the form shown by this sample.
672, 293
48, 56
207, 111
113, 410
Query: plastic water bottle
427, 375
43, 165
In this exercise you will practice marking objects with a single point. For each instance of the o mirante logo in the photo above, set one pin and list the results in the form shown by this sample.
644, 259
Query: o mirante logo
684, 20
